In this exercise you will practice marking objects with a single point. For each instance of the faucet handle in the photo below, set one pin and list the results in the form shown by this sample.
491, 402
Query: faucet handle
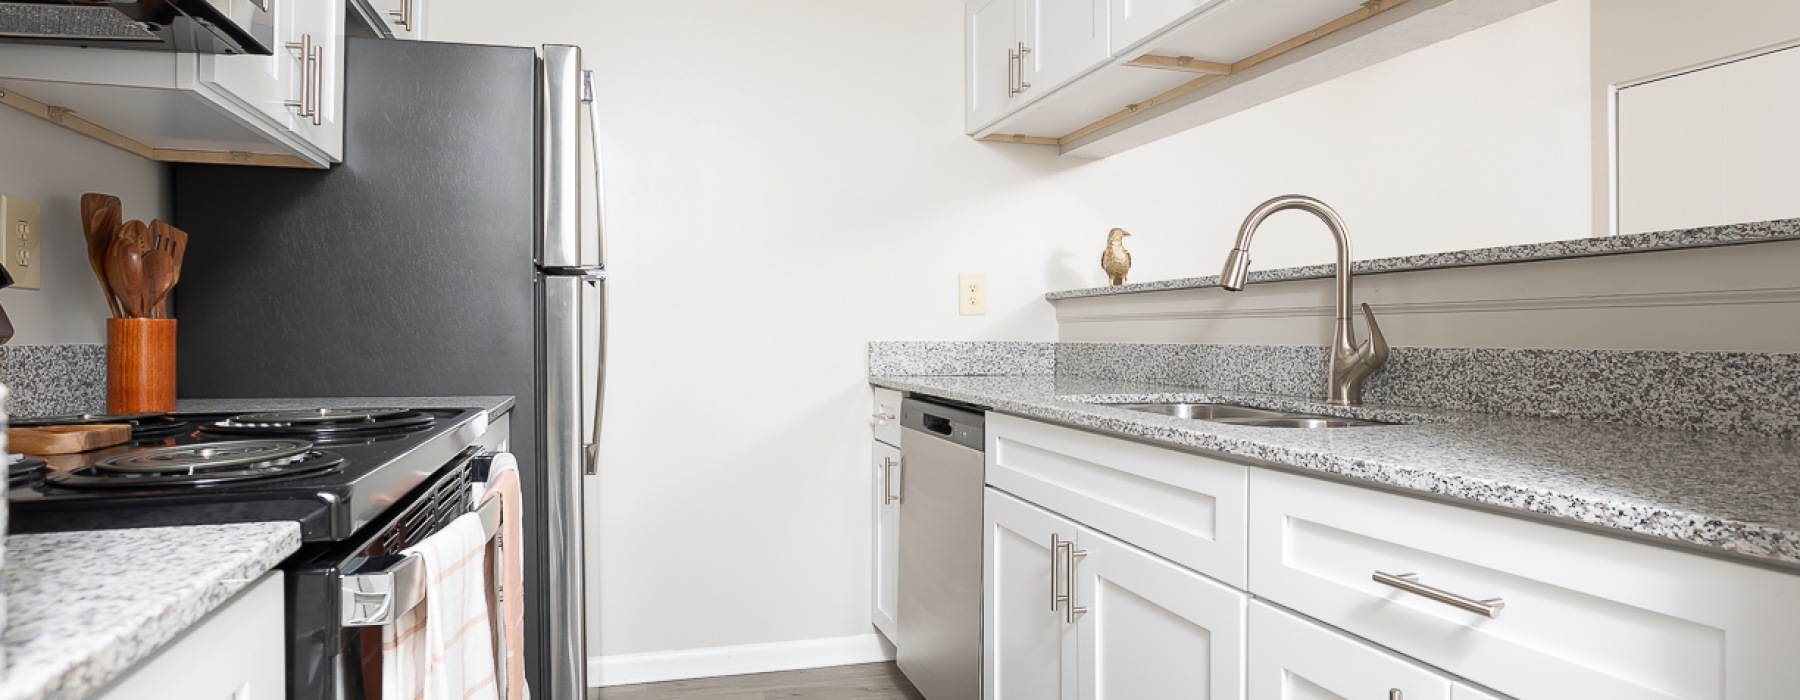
1374, 351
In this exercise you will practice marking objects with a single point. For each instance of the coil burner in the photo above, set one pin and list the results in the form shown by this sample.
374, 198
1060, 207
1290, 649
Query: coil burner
144, 426
200, 464
325, 424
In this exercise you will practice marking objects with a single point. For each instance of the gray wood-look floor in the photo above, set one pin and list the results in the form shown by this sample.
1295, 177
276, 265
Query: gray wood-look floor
860, 682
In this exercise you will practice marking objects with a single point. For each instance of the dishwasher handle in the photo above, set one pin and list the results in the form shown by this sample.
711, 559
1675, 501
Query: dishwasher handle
964, 426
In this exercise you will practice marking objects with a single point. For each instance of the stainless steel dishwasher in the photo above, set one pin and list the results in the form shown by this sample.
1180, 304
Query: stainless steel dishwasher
939, 616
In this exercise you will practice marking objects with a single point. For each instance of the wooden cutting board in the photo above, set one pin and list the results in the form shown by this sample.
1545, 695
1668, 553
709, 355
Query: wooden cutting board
66, 439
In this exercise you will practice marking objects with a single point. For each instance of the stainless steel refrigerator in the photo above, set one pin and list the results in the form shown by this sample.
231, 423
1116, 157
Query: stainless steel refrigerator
447, 255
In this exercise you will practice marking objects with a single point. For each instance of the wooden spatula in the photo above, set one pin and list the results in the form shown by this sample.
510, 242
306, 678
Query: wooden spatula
173, 240
100, 214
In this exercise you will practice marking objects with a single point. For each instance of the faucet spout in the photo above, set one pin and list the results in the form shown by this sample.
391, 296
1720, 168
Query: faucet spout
1350, 363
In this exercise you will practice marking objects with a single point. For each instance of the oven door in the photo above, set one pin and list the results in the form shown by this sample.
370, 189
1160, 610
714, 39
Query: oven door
331, 660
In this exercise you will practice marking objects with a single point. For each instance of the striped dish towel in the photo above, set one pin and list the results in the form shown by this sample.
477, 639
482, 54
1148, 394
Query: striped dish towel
503, 484
444, 649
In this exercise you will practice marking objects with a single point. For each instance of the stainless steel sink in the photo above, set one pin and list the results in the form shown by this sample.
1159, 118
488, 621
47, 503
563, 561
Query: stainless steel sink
1233, 414
1304, 422
1201, 411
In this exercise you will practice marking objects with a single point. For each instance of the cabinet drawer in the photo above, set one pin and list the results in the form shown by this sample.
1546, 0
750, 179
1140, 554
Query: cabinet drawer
1295, 659
1182, 507
236, 652
885, 416
1583, 616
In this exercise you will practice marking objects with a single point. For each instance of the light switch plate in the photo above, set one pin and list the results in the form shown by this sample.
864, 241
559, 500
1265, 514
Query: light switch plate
21, 227
971, 294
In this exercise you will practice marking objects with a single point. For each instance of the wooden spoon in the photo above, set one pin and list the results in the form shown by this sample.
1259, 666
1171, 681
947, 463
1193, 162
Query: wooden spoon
100, 214
125, 268
159, 278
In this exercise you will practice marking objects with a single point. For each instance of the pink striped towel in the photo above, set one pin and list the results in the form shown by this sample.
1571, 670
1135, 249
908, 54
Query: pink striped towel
443, 649
503, 484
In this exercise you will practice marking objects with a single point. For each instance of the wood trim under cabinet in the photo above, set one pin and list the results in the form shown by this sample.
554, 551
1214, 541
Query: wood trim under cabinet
67, 119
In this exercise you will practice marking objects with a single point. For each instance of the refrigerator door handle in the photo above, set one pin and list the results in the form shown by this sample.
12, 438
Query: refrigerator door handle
593, 113
599, 321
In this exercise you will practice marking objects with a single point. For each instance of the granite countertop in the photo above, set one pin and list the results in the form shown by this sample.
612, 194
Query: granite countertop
1705, 237
494, 405
1730, 495
82, 607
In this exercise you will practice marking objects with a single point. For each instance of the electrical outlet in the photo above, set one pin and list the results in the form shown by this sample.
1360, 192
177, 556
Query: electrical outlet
971, 294
20, 221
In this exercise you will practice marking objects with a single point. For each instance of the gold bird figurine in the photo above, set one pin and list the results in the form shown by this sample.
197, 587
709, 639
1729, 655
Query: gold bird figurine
1116, 261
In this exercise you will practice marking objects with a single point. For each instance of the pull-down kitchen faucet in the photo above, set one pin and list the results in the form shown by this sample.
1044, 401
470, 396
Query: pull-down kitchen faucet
1350, 363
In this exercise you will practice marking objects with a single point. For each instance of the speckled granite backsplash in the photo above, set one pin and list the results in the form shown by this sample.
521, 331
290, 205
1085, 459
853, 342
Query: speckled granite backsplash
54, 380
1744, 393
962, 358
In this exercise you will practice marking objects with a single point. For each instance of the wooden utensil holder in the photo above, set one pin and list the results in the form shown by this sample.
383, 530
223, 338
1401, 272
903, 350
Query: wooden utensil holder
140, 365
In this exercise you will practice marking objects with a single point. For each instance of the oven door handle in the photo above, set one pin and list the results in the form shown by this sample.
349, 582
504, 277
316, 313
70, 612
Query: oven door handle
377, 598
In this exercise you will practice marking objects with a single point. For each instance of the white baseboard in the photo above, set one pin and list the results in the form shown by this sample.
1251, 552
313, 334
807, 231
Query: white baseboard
657, 666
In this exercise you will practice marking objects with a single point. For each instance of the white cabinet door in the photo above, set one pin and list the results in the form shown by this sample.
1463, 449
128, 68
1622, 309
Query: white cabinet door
1153, 629
237, 653
1294, 659
990, 57
1028, 651
1135, 20
886, 473
261, 84
321, 25
1063, 39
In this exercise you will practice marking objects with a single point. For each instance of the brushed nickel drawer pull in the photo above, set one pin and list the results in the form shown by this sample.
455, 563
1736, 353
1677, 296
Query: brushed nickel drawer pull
1395, 694
1410, 583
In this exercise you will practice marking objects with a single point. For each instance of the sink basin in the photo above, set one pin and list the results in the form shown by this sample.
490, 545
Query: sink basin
1244, 415
1201, 411
1297, 421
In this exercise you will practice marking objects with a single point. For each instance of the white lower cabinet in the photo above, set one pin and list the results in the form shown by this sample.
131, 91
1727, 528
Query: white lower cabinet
1073, 613
1530, 610
237, 653
885, 473
1295, 659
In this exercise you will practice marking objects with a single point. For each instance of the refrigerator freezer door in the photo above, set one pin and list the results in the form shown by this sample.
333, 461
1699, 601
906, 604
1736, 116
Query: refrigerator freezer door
566, 315
567, 90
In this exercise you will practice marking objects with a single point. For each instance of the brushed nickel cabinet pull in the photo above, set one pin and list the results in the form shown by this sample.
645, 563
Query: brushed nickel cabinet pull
1023, 49
1056, 548
1395, 694
887, 480
1071, 607
318, 86
1409, 582
403, 16
304, 106
1012, 73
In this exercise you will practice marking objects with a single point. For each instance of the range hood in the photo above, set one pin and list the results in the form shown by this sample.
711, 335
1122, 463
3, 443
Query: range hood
197, 26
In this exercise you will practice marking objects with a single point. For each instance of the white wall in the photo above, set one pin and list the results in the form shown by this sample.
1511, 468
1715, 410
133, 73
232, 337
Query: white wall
788, 179
54, 167
1636, 39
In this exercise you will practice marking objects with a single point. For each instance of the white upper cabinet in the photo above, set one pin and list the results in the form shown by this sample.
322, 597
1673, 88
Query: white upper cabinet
1063, 39
991, 59
392, 19
1136, 20
281, 109
1020, 50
